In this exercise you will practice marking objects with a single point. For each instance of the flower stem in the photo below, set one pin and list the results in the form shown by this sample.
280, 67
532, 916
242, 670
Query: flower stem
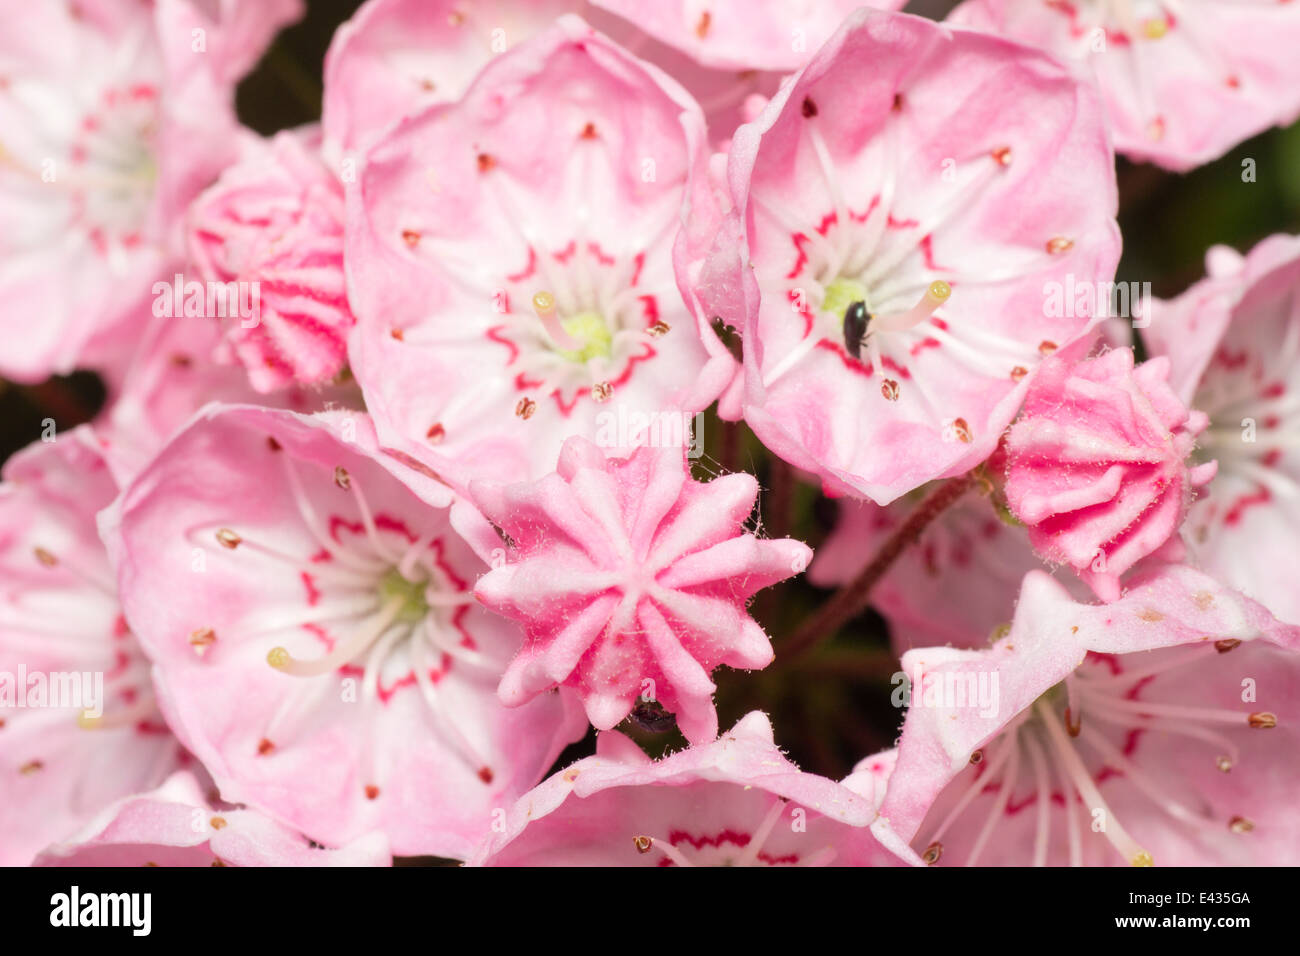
850, 600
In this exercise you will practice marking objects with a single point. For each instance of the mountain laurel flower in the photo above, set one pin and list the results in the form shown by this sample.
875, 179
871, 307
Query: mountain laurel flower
1097, 465
112, 124
891, 242
1158, 729
314, 637
630, 579
511, 261
1183, 83
95, 734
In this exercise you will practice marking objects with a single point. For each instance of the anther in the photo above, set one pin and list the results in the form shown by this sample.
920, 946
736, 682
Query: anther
977, 757
601, 391
1155, 29
525, 407
932, 853
45, 557
889, 389
1002, 155
643, 844
658, 329
202, 639
1262, 720
1059, 244
1073, 723
342, 478
1240, 825
436, 433
228, 539
1226, 644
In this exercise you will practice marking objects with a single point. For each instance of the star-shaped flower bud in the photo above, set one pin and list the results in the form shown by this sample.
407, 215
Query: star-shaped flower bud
630, 579
1097, 465
272, 230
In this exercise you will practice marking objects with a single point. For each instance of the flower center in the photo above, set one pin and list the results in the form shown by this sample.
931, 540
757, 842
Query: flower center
591, 332
379, 597
407, 595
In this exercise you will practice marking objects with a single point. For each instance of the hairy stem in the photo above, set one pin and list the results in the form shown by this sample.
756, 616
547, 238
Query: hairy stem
850, 600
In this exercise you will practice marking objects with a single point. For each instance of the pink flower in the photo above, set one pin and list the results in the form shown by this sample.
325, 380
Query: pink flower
1233, 344
734, 802
273, 224
395, 57
114, 119
901, 237
1151, 729
511, 263
631, 578
69, 745
739, 35
956, 585
1183, 83
1097, 467
272, 560
176, 825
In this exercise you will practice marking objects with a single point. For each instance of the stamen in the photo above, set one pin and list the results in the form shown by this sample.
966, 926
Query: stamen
342, 652
1087, 788
142, 708
666, 848
755, 845
936, 294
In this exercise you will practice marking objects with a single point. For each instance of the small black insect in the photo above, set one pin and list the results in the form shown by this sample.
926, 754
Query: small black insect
856, 318
651, 716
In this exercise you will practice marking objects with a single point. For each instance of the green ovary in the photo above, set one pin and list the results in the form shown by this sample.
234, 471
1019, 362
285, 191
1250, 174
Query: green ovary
592, 331
411, 593
840, 294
